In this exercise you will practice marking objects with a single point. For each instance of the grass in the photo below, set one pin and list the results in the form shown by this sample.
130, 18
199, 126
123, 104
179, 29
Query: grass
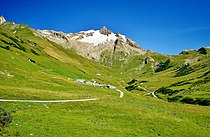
52, 76
130, 116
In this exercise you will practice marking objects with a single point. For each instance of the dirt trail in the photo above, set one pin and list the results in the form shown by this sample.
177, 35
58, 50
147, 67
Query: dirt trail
151, 93
49, 101
121, 93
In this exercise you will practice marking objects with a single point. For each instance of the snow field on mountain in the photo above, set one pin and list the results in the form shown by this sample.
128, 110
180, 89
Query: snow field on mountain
98, 38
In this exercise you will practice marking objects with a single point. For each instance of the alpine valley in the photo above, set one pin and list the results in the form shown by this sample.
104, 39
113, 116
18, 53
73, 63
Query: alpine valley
98, 83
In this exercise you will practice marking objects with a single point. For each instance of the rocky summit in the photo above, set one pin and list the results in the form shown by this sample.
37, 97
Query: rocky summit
105, 31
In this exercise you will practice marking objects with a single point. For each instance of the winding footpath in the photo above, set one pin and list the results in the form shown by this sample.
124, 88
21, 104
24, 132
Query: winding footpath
151, 93
94, 83
73, 100
121, 93
50, 101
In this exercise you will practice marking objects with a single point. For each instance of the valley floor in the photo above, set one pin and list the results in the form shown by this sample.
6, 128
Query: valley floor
131, 115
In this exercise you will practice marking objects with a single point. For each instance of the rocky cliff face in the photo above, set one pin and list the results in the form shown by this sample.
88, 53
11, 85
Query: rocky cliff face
92, 43
2, 19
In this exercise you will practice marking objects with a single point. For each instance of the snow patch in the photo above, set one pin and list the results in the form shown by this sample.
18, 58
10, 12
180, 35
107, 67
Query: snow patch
98, 38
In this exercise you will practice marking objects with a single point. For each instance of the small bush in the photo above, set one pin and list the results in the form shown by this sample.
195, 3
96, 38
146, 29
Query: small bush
181, 83
174, 99
34, 52
200, 82
143, 81
203, 102
188, 100
22, 48
184, 70
164, 90
205, 74
5, 118
184, 53
134, 87
163, 66
132, 81
199, 101
7, 47
130, 88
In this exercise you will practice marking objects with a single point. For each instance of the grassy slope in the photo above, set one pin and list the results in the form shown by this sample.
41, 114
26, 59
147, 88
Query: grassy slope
191, 81
51, 77
54, 67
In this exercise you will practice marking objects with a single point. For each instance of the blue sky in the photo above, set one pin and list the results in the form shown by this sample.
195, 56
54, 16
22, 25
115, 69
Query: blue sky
164, 26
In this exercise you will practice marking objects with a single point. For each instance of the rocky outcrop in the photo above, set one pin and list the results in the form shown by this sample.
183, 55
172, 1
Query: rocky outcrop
190, 61
94, 83
105, 31
2, 20
55, 36
132, 43
89, 34
148, 60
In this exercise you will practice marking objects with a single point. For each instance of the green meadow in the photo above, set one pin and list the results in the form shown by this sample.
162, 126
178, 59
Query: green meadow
34, 68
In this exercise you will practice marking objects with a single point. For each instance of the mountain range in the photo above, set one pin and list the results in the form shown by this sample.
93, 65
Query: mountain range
47, 64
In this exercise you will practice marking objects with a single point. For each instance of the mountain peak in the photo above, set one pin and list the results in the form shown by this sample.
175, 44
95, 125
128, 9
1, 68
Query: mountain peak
2, 19
105, 31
